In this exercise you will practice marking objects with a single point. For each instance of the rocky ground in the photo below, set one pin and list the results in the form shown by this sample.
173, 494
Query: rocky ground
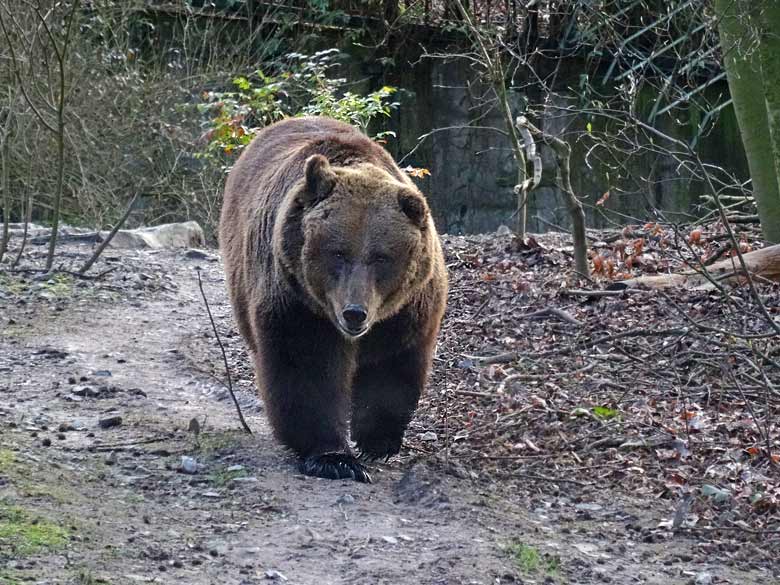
122, 460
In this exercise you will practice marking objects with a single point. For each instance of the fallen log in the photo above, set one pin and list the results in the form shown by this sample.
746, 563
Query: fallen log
763, 263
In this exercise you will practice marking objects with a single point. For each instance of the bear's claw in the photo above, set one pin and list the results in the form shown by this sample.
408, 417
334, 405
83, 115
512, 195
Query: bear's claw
379, 449
335, 466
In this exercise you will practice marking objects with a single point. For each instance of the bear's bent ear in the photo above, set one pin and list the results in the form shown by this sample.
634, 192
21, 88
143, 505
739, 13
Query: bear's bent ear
320, 179
414, 206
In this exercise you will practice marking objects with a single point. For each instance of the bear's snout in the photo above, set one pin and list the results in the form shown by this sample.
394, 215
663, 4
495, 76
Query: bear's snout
355, 317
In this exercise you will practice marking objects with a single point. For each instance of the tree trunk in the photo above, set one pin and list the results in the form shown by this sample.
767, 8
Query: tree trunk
5, 159
770, 70
743, 68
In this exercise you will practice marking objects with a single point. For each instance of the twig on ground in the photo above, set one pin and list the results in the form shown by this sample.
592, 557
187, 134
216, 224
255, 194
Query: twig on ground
224, 355
474, 393
117, 446
511, 356
602, 293
552, 479
46, 272
553, 312
547, 376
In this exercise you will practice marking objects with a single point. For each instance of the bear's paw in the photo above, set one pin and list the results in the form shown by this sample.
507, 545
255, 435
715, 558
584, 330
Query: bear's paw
335, 466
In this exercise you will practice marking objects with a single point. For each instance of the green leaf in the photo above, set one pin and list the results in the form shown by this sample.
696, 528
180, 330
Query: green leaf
604, 412
242, 83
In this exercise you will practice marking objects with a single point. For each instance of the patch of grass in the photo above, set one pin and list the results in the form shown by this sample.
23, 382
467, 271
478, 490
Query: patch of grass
530, 561
86, 577
526, 557
59, 285
53, 492
223, 477
23, 533
212, 443
7, 458
134, 498
27, 479
12, 285
10, 577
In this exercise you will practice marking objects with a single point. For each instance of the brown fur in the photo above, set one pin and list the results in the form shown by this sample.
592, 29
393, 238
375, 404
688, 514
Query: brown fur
317, 217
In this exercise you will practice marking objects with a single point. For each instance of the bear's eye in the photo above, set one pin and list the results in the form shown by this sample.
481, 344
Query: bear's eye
378, 258
339, 255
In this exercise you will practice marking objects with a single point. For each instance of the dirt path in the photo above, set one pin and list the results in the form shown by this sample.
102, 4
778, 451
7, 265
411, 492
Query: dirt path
85, 498
246, 515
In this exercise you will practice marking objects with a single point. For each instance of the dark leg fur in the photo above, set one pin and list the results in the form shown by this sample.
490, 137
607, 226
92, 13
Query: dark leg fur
304, 371
384, 398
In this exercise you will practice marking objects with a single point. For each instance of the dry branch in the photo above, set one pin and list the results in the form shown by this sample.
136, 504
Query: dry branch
110, 236
553, 312
224, 356
764, 263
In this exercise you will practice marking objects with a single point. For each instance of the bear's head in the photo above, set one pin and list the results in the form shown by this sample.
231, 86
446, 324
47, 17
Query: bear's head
365, 242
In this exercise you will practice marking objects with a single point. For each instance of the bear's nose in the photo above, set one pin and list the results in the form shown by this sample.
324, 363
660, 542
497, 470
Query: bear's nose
354, 315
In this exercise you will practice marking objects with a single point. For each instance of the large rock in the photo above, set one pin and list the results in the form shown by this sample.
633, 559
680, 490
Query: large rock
170, 235
16, 230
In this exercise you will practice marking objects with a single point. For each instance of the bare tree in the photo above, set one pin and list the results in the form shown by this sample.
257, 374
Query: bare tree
57, 40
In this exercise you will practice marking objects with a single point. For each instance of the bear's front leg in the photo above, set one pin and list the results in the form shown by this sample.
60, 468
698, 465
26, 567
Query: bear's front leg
304, 369
384, 397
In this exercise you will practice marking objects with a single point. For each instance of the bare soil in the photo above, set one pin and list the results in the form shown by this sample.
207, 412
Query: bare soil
136, 344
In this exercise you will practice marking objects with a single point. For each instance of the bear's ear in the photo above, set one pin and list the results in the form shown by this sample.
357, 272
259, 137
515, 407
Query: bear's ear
320, 179
414, 206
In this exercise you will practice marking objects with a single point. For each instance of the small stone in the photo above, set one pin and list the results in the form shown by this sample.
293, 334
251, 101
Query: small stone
46, 442
390, 539
81, 391
65, 427
466, 364
60, 437
110, 422
429, 436
102, 373
503, 230
195, 254
703, 578
232, 468
188, 465
111, 459
345, 499
588, 507
275, 576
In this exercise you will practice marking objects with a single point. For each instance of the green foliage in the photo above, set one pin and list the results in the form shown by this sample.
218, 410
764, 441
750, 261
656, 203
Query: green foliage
302, 85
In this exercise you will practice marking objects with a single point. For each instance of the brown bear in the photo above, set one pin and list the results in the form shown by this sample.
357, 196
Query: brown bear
338, 284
